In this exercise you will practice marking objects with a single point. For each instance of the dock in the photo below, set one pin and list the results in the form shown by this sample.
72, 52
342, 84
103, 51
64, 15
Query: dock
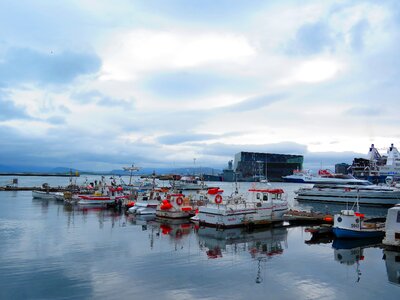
75, 174
304, 217
33, 188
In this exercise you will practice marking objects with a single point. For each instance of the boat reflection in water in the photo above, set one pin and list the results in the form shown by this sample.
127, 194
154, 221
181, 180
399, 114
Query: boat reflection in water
351, 252
260, 244
175, 229
392, 261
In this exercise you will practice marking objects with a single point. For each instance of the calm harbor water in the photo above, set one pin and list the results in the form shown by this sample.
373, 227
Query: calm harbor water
50, 251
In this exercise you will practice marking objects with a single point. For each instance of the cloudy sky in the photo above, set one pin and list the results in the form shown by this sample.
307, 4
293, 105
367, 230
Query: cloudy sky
98, 84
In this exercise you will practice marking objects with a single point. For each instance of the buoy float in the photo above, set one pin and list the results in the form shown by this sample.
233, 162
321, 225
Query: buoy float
218, 199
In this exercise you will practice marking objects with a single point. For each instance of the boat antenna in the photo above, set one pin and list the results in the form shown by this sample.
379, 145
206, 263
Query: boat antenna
236, 184
357, 201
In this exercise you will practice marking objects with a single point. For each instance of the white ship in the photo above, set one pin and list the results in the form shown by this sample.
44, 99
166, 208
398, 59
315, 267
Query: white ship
324, 176
342, 193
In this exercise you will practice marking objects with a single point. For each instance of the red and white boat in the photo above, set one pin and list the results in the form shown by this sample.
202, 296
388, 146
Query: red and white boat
175, 206
262, 207
106, 195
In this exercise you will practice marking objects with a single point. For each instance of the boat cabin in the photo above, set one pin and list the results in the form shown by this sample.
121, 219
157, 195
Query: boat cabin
392, 232
267, 194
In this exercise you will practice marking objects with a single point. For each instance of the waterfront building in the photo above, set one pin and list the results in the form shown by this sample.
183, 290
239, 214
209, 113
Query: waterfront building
255, 166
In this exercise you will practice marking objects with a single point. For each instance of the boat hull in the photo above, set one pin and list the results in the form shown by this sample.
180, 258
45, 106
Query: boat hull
230, 217
295, 180
173, 214
371, 198
48, 195
350, 234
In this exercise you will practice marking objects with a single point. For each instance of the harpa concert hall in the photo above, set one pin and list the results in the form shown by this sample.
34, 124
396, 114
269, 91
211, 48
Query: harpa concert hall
253, 166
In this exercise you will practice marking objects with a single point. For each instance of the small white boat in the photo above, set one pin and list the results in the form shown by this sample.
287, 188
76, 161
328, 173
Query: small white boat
105, 195
175, 206
351, 224
144, 207
48, 195
146, 202
264, 207
188, 183
392, 230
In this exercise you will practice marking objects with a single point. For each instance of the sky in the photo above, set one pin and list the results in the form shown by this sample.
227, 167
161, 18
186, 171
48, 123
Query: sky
97, 85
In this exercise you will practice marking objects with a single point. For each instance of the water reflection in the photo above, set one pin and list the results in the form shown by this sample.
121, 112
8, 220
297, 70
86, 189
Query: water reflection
102, 214
351, 252
261, 244
52, 251
392, 262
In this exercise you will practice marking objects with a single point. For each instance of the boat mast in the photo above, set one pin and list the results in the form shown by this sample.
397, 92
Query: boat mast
131, 169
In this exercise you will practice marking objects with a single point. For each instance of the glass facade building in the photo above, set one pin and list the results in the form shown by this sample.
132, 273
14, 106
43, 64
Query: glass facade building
253, 166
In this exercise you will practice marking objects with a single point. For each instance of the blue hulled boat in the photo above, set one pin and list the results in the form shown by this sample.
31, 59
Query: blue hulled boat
351, 224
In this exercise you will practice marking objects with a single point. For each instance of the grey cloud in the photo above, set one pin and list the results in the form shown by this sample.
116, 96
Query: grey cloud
100, 99
56, 120
219, 149
171, 139
357, 34
82, 151
21, 65
311, 39
9, 111
195, 84
365, 111
255, 103
327, 160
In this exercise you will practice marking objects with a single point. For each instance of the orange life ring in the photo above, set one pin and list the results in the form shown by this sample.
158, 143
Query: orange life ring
218, 199
179, 200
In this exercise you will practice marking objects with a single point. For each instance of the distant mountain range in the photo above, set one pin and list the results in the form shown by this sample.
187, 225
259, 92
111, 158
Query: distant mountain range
142, 171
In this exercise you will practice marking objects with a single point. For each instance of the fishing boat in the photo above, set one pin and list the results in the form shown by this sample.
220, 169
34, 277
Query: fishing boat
392, 230
146, 203
369, 194
188, 183
175, 206
105, 195
352, 224
45, 195
264, 207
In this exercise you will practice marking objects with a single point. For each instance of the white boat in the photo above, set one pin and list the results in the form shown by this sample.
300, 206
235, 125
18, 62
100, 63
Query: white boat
175, 206
188, 183
48, 195
392, 231
392, 166
147, 202
342, 193
376, 166
352, 224
104, 195
264, 207
324, 176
